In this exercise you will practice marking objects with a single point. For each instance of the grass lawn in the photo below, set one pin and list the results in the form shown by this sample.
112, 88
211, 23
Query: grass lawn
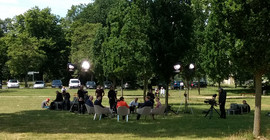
21, 117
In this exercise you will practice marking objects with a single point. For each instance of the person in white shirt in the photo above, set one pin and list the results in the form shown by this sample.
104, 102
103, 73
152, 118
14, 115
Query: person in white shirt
133, 104
162, 91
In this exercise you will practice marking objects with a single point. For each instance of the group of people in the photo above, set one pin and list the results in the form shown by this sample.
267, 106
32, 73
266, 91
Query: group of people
82, 99
62, 100
160, 92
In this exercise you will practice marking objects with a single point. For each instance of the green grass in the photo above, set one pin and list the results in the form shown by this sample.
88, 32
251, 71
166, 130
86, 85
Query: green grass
22, 118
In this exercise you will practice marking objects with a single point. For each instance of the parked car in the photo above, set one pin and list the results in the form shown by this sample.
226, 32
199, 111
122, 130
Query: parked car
107, 84
178, 85
0, 84
57, 84
195, 84
13, 83
91, 84
74, 83
39, 84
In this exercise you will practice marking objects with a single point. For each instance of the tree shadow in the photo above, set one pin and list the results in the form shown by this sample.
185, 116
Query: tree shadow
190, 125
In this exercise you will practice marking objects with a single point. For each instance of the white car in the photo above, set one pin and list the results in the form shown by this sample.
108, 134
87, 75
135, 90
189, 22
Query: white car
13, 83
74, 83
39, 84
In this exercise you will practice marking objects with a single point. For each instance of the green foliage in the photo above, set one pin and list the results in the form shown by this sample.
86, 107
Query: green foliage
82, 41
24, 54
44, 26
216, 52
170, 35
3, 56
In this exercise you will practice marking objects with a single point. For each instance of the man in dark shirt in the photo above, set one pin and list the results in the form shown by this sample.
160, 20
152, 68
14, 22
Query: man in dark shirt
98, 101
59, 97
112, 98
151, 95
81, 96
106, 110
100, 92
90, 101
66, 103
146, 103
222, 101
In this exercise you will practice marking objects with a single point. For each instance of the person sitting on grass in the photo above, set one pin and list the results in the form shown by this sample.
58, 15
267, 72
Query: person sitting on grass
146, 103
246, 107
45, 103
121, 102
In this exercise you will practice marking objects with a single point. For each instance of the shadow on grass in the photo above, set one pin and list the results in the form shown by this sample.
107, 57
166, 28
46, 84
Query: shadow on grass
6, 91
182, 125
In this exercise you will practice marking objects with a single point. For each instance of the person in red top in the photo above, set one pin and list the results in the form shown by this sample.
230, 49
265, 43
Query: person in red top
121, 102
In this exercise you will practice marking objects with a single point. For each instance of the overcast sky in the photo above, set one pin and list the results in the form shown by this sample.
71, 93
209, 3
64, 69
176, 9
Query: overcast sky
11, 8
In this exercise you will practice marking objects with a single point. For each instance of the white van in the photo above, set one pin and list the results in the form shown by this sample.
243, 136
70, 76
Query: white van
74, 83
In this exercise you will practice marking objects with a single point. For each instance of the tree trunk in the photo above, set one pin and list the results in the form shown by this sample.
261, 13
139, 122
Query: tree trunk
235, 83
167, 95
25, 81
188, 89
199, 86
219, 84
122, 93
145, 83
257, 112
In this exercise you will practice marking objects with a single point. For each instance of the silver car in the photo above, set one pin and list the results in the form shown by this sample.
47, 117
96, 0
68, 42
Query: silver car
39, 84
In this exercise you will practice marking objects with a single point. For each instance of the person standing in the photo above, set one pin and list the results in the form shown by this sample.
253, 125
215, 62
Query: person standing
81, 96
162, 91
100, 92
112, 98
66, 102
222, 101
151, 95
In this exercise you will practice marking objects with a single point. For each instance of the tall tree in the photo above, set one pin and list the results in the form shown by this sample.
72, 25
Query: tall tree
216, 59
45, 26
249, 26
134, 33
24, 55
170, 35
82, 41
201, 14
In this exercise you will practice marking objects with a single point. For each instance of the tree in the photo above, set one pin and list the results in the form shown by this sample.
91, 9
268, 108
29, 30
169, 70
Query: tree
169, 35
134, 33
3, 56
45, 26
82, 40
216, 60
24, 55
249, 26
201, 14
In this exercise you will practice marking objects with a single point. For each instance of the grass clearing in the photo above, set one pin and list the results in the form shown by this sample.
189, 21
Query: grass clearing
21, 117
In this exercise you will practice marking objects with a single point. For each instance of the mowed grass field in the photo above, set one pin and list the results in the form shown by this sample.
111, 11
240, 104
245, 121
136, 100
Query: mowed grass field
21, 117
